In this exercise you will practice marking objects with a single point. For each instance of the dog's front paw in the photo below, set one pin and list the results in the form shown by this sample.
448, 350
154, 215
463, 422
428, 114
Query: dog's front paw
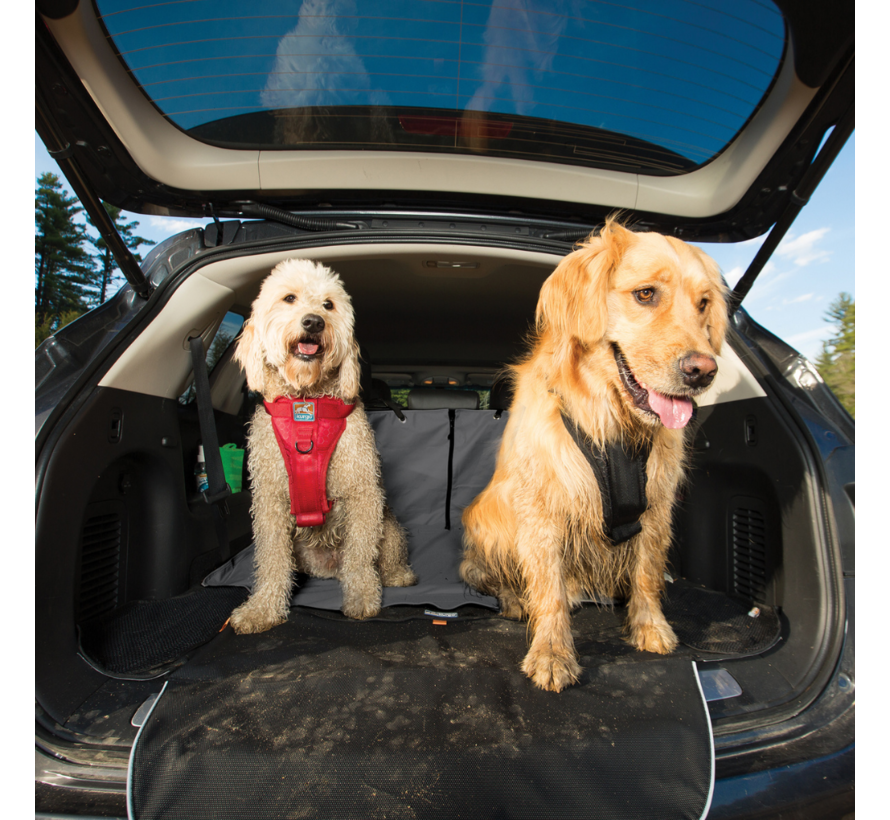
551, 672
400, 576
654, 637
360, 607
511, 605
249, 618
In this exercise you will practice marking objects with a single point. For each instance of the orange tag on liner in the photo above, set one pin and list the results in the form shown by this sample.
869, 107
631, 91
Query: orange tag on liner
440, 623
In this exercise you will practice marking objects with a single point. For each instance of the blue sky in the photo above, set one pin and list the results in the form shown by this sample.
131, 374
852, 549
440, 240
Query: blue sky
814, 263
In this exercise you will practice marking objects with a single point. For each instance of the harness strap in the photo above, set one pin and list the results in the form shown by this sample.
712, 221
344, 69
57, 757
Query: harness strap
621, 475
307, 431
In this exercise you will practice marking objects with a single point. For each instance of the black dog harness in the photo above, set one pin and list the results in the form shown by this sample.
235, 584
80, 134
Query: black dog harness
621, 475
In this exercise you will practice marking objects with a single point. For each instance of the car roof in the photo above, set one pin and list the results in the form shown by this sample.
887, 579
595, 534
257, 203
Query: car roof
699, 118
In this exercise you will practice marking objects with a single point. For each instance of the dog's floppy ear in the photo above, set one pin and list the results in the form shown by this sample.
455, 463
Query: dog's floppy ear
718, 318
249, 354
350, 373
560, 295
574, 298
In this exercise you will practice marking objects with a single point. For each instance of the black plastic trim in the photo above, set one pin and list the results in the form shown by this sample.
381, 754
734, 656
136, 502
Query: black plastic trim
737, 736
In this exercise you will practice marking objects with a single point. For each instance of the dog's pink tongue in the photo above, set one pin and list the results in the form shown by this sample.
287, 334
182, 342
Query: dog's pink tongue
673, 412
307, 349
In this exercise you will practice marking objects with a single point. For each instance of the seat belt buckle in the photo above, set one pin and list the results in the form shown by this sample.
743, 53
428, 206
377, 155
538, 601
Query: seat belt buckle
220, 496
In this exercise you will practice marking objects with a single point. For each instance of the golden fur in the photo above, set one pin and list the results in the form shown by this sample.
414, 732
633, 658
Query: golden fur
534, 536
360, 543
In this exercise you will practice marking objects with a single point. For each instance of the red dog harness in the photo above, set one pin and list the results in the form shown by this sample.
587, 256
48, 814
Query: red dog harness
307, 431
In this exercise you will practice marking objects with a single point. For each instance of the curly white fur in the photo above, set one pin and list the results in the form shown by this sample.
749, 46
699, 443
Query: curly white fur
360, 543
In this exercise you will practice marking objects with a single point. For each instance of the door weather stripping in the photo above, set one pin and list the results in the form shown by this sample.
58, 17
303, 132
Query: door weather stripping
260, 210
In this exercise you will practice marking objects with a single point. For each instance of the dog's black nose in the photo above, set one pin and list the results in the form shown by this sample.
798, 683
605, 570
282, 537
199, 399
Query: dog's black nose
313, 323
698, 370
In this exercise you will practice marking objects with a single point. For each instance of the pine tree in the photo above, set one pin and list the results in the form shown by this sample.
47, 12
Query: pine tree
105, 259
46, 327
837, 360
63, 270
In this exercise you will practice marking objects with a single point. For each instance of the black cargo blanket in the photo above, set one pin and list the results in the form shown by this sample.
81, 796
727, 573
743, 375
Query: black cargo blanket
321, 718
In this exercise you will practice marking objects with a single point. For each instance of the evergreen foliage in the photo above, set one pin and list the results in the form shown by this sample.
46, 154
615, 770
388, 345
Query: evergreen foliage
65, 278
68, 280
837, 360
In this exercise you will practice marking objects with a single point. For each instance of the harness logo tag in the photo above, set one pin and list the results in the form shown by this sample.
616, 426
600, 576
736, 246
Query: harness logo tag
304, 410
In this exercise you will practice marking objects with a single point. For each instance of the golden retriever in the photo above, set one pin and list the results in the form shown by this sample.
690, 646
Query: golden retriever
627, 330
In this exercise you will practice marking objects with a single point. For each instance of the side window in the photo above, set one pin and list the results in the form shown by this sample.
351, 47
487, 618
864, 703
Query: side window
225, 335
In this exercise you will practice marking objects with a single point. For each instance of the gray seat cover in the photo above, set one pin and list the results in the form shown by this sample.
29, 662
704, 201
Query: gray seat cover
414, 458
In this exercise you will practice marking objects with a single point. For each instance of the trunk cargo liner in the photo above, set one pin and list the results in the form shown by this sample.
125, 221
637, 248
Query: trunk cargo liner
329, 718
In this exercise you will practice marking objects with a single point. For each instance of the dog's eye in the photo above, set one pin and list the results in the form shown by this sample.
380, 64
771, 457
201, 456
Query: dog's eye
644, 295
702, 305
328, 305
290, 298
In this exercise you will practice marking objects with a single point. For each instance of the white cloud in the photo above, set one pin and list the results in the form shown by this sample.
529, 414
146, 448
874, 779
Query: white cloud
172, 225
804, 297
734, 275
802, 249
810, 341
768, 282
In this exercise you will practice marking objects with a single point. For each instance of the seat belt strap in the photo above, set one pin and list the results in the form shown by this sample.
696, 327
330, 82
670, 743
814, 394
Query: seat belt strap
217, 489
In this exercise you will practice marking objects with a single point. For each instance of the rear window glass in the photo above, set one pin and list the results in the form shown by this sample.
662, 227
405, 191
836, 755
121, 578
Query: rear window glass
659, 86
399, 395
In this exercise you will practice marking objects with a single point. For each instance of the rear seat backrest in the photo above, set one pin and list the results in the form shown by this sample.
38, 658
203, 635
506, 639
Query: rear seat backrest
436, 462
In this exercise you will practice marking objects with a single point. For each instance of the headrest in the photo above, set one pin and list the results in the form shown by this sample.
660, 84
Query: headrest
365, 381
501, 393
438, 398
380, 390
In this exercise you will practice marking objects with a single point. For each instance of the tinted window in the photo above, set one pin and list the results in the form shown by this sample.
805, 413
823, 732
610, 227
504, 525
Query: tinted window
222, 340
661, 85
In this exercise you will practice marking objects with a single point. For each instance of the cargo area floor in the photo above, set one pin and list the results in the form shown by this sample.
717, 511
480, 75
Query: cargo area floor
711, 626
325, 717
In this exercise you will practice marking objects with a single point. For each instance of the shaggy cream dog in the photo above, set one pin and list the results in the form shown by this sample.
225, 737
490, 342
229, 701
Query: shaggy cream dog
299, 342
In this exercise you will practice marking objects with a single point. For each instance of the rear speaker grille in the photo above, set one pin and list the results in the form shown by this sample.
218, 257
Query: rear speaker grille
100, 566
749, 554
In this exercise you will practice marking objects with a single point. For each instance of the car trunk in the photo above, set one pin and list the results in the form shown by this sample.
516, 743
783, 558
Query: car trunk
405, 711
